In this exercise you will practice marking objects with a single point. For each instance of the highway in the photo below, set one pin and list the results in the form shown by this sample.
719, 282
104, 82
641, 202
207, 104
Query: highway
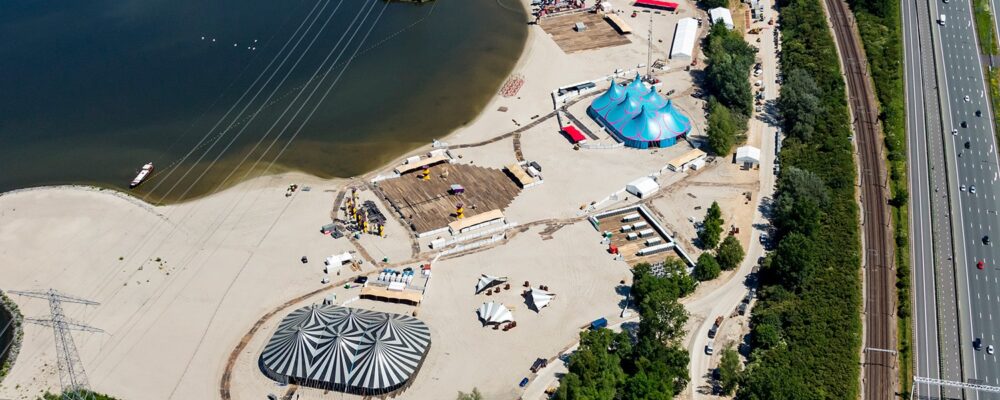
972, 166
953, 168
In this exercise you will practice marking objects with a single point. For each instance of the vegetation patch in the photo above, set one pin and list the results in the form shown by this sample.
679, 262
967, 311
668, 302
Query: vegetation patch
879, 22
650, 364
11, 333
806, 333
729, 59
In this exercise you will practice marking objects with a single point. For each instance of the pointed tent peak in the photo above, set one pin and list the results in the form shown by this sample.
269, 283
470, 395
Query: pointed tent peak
637, 87
653, 99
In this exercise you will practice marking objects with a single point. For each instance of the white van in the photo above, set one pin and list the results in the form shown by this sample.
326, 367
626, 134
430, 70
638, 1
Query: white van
942, 19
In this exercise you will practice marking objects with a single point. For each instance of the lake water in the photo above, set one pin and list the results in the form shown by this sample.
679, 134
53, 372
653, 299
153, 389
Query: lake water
91, 90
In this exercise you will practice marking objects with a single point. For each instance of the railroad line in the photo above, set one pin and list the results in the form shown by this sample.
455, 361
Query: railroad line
879, 369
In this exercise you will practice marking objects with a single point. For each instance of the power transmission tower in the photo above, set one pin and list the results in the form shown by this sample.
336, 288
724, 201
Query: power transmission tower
72, 377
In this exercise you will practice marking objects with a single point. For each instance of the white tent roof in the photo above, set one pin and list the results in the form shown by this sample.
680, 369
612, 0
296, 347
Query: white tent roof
339, 259
747, 154
684, 37
722, 13
486, 281
540, 298
642, 186
494, 313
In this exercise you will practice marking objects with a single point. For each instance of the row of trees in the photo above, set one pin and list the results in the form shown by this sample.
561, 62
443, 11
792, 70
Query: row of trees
806, 324
729, 59
652, 364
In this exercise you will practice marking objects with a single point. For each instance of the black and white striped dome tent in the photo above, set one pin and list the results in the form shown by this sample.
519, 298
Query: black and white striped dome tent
346, 349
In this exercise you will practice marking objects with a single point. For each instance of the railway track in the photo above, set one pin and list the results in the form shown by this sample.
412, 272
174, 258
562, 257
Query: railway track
879, 369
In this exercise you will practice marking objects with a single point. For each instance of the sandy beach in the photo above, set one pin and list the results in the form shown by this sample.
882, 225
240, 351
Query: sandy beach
180, 286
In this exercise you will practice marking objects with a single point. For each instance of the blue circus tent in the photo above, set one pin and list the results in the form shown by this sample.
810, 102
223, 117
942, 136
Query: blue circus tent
639, 116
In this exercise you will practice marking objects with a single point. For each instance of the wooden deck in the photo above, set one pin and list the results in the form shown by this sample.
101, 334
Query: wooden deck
599, 32
629, 248
426, 205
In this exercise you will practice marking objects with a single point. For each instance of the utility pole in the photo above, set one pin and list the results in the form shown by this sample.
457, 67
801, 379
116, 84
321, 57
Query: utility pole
649, 51
72, 377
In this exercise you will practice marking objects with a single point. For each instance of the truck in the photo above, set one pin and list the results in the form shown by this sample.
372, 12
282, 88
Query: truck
715, 327
599, 323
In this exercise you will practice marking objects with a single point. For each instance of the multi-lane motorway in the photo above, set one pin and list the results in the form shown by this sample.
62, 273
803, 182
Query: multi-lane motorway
964, 197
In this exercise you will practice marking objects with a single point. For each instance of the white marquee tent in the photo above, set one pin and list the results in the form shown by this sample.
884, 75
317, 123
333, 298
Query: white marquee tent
494, 313
748, 156
540, 298
685, 35
642, 187
488, 281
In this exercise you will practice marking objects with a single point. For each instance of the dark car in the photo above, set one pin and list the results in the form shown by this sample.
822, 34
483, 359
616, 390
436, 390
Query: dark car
968, 144
977, 344
964, 124
979, 113
361, 280
986, 240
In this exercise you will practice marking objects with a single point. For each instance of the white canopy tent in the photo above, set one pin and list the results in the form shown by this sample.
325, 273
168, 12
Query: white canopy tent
488, 281
723, 14
494, 313
749, 156
642, 187
539, 298
684, 37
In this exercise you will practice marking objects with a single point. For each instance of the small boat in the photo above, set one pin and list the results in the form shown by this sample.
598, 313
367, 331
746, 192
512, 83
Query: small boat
142, 176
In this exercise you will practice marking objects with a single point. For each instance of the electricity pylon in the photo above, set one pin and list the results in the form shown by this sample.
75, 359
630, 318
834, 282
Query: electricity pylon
72, 377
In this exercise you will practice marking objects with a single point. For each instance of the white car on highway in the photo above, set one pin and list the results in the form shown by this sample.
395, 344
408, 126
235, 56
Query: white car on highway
989, 349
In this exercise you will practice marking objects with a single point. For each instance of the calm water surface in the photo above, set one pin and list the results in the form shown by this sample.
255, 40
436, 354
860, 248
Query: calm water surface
91, 90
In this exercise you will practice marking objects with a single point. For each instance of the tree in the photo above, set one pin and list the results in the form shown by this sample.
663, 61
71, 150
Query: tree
707, 268
730, 253
711, 228
729, 370
595, 370
799, 104
721, 128
473, 395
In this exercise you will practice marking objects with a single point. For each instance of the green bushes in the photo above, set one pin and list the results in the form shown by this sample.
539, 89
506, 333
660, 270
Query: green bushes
806, 325
611, 366
729, 59
730, 253
711, 229
707, 268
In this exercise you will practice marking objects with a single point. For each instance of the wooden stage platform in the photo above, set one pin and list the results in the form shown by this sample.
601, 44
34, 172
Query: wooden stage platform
599, 32
427, 205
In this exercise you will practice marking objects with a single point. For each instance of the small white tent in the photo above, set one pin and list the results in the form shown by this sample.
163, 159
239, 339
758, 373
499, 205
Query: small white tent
539, 298
723, 14
494, 313
642, 187
748, 156
488, 281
